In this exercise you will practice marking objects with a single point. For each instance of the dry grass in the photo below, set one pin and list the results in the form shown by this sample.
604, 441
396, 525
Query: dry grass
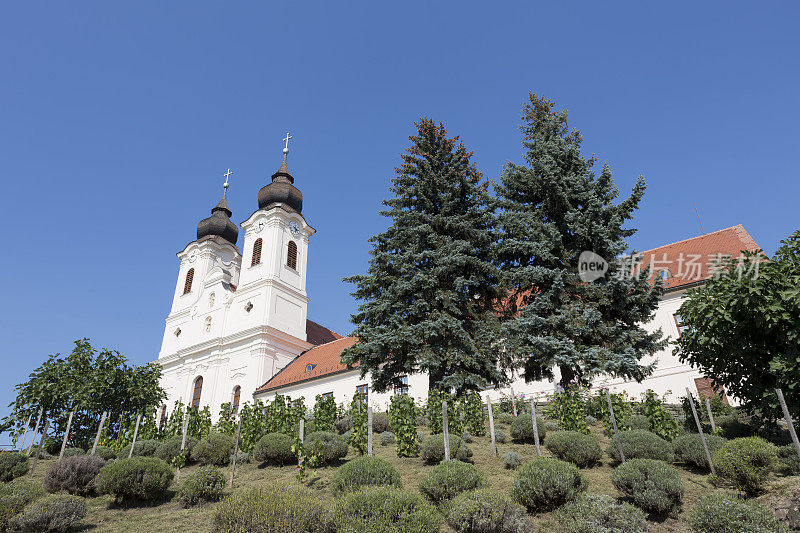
169, 516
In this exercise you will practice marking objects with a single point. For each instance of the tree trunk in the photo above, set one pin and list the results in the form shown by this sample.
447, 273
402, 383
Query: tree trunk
567, 377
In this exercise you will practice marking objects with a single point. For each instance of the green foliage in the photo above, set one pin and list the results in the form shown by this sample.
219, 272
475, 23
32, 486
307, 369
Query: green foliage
274, 448
430, 289
56, 512
550, 210
638, 422
12, 465
652, 485
199, 422
143, 448
215, 449
722, 513
386, 438
75, 475
574, 447
253, 425
746, 463
474, 415
789, 462
380, 422
274, 508
358, 414
362, 472
569, 407
742, 328
71, 452
174, 424
105, 453
512, 460
522, 429
432, 450
137, 478
662, 423
324, 448
15, 496
434, 410
486, 511
403, 419
226, 424
204, 484
385, 510
450, 478
689, 448
88, 382
170, 450
545, 484
598, 513
597, 404
638, 444
500, 436
324, 413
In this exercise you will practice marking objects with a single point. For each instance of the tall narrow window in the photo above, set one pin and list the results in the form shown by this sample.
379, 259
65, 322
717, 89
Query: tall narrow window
256, 252
679, 323
198, 388
163, 417
187, 287
402, 387
211, 300
208, 324
363, 389
291, 256
237, 392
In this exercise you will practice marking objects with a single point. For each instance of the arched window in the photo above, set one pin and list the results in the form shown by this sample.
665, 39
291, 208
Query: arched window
198, 388
291, 256
211, 300
256, 252
237, 392
163, 416
208, 324
187, 287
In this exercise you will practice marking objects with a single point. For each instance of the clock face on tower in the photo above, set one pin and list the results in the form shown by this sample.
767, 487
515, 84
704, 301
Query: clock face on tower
294, 228
260, 225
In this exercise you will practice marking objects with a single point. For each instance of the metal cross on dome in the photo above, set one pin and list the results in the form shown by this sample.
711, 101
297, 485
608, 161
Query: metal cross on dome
226, 178
286, 139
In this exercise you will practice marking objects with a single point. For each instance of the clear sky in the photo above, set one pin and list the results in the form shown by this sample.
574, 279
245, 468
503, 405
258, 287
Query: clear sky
118, 119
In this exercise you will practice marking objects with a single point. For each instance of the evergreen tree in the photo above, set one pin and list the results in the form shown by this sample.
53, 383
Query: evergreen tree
550, 210
430, 286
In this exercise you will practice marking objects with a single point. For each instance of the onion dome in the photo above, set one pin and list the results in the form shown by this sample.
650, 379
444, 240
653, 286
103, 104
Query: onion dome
219, 223
281, 190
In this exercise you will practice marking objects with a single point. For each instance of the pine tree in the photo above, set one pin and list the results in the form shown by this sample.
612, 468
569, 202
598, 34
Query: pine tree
431, 283
550, 210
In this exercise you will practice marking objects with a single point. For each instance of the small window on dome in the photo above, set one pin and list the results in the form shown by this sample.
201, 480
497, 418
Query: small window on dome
664, 274
291, 256
187, 286
248, 307
208, 324
256, 252
211, 300
310, 367
178, 332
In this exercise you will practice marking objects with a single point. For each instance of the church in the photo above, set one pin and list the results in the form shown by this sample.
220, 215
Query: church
238, 328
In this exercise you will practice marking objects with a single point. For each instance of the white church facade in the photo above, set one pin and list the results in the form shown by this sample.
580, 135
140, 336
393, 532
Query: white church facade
238, 328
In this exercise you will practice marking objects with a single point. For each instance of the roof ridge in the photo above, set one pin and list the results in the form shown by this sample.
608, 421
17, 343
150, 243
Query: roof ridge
736, 228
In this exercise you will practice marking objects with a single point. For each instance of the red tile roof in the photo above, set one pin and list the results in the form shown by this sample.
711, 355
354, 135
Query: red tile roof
691, 261
325, 361
317, 334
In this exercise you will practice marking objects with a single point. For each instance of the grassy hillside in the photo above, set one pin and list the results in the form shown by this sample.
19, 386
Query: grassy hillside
168, 516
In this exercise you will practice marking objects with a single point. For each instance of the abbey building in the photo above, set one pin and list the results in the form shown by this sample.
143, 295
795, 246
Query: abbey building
238, 328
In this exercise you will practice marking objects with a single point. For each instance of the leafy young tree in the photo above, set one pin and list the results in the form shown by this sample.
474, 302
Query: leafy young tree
550, 210
743, 328
428, 293
90, 382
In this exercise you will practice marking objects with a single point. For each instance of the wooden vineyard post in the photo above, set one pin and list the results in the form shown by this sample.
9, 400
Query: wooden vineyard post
66, 436
183, 444
710, 415
491, 424
300, 446
236, 449
25, 433
513, 403
614, 424
445, 432
700, 429
535, 428
788, 418
135, 434
39, 448
35, 430
99, 431
369, 430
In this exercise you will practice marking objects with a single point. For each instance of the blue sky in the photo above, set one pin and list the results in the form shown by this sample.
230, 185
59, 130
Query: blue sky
117, 121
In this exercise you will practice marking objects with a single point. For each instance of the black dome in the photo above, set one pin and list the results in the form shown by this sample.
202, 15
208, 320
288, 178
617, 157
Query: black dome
281, 190
219, 223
